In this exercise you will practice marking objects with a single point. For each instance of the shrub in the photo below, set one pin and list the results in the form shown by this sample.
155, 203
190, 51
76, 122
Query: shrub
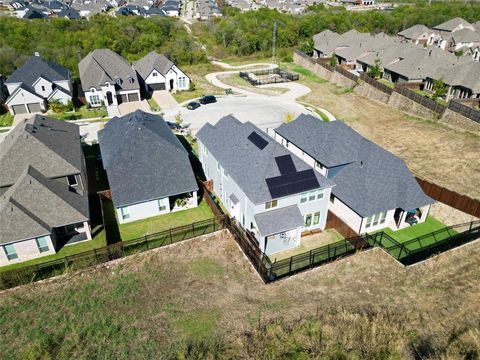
58, 107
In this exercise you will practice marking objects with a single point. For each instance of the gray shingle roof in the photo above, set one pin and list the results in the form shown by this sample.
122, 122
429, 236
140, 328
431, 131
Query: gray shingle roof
279, 220
51, 146
452, 24
248, 166
36, 67
104, 65
373, 179
35, 204
466, 75
144, 160
151, 61
415, 31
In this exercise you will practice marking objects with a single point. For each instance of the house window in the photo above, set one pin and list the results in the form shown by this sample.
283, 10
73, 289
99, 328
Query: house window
125, 213
308, 220
376, 219
332, 198
320, 194
318, 165
162, 204
43, 88
271, 204
95, 100
72, 180
316, 218
154, 74
10, 252
303, 198
312, 195
42, 243
288, 143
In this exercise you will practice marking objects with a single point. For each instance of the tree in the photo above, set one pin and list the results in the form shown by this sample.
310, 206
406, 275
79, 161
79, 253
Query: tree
375, 71
439, 89
333, 61
178, 119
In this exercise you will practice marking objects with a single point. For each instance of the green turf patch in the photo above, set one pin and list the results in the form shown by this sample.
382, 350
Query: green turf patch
205, 268
198, 324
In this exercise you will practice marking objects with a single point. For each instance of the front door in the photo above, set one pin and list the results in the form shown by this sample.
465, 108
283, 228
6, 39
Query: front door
171, 84
109, 98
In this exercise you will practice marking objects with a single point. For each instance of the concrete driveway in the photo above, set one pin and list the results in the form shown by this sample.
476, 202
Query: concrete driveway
164, 99
128, 107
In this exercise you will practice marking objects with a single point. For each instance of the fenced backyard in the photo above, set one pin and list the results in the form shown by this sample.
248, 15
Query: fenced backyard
376, 84
422, 100
268, 76
466, 111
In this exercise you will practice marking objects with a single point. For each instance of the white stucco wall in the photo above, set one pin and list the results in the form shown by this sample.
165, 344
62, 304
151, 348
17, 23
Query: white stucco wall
43, 87
25, 97
26, 250
142, 211
62, 97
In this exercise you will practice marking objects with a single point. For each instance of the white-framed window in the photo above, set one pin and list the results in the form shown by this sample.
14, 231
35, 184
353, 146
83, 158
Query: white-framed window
303, 198
95, 100
42, 244
316, 218
318, 165
72, 180
308, 220
311, 196
125, 211
271, 204
320, 194
154, 74
43, 88
162, 204
376, 219
10, 252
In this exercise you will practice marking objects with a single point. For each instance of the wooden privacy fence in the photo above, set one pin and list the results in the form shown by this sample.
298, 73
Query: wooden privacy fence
422, 100
346, 73
325, 65
466, 111
450, 197
376, 84
305, 56
334, 222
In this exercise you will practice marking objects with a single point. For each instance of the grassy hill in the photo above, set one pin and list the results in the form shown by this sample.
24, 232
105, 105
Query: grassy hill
202, 300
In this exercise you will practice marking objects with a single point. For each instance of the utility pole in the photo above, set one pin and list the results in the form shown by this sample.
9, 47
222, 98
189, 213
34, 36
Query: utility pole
274, 40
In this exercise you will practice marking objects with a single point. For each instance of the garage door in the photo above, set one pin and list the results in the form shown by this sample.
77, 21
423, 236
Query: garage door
19, 109
122, 98
34, 107
133, 97
160, 86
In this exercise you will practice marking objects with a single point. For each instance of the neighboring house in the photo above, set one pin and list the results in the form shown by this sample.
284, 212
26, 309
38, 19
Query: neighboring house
462, 81
445, 30
462, 40
327, 43
69, 13
417, 34
108, 79
35, 83
3, 92
43, 189
148, 169
271, 192
157, 72
374, 189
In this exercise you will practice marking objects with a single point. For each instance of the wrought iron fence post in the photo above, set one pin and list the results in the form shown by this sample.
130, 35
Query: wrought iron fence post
39, 272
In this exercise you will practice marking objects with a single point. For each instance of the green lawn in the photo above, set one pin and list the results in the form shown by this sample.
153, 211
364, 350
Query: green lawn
97, 242
415, 231
153, 104
82, 113
6, 119
160, 223
387, 83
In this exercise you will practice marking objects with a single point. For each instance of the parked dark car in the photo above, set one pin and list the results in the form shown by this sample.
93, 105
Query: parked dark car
193, 105
208, 99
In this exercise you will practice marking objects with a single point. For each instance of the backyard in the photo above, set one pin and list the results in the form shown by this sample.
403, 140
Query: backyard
433, 151
202, 299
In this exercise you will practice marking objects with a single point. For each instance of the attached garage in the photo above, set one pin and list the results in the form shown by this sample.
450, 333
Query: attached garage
133, 97
158, 86
121, 98
19, 109
34, 107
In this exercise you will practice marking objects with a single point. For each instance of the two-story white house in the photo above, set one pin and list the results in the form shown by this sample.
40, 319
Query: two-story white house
36, 83
108, 79
157, 72
270, 192
374, 189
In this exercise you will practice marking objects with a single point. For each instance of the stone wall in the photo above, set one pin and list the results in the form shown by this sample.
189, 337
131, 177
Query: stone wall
409, 106
341, 80
371, 92
455, 119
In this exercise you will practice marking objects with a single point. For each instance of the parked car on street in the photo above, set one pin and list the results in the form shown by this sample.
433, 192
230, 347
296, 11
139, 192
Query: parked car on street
208, 99
193, 105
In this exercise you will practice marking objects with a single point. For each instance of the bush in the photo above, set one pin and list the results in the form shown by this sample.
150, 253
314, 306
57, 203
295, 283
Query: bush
58, 107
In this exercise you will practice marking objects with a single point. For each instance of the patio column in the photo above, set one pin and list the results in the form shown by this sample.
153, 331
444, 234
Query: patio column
425, 210
195, 200
402, 220
86, 226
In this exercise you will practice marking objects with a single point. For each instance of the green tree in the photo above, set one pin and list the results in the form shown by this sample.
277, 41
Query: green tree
375, 71
439, 89
333, 61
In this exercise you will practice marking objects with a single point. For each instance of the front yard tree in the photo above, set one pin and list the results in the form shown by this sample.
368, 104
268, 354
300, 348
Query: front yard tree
439, 89
375, 70
333, 61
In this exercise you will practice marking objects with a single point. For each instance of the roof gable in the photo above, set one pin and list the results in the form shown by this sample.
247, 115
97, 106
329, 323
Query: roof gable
152, 61
36, 67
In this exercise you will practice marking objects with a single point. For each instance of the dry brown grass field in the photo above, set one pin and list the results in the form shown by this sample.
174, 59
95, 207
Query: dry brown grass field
202, 299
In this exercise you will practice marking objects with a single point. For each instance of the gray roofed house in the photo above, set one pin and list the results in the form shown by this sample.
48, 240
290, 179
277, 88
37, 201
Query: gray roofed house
248, 166
418, 34
35, 67
69, 13
453, 25
145, 163
269, 190
36, 205
51, 146
102, 65
152, 61
369, 179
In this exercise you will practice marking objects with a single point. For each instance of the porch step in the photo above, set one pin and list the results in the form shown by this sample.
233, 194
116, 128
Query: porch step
112, 111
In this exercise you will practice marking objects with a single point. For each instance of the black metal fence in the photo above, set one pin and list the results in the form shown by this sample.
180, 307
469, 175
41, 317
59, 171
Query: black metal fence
422, 100
466, 111
376, 84
277, 76
28, 274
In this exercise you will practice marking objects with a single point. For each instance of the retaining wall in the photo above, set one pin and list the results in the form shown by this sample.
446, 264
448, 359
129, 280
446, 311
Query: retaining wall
409, 106
458, 120
371, 92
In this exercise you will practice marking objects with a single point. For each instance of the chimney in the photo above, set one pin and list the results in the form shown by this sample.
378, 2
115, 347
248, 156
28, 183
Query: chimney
37, 54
